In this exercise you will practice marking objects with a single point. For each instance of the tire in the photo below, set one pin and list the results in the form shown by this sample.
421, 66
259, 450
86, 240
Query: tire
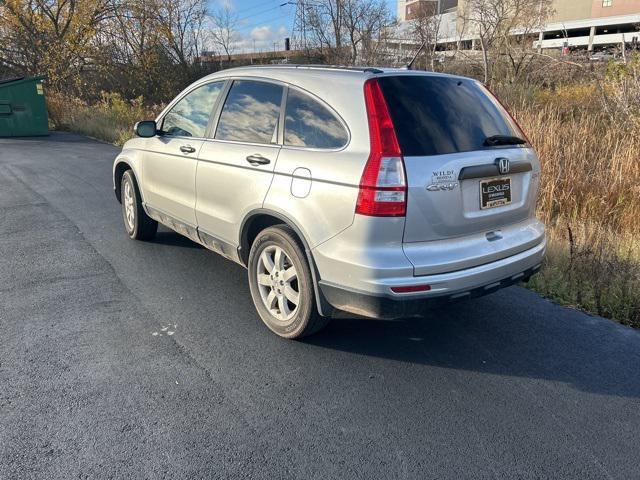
274, 253
137, 223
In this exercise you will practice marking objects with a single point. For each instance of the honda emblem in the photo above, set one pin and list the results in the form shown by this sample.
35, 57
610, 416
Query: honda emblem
503, 165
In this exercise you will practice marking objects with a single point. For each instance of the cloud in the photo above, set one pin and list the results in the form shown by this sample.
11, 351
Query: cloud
261, 34
250, 115
225, 4
263, 37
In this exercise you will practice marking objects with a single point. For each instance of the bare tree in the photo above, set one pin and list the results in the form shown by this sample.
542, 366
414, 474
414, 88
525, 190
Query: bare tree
517, 44
224, 23
181, 22
364, 24
424, 29
130, 53
346, 31
324, 24
485, 18
505, 27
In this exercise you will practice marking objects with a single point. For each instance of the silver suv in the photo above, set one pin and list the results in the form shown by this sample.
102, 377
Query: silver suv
370, 191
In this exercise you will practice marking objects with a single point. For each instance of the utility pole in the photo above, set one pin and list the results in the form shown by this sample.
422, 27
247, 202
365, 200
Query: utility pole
299, 34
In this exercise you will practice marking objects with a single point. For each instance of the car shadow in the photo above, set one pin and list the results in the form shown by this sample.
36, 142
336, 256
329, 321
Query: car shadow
513, 332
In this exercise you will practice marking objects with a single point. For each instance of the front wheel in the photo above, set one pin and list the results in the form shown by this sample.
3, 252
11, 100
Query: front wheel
138, 224
281, 284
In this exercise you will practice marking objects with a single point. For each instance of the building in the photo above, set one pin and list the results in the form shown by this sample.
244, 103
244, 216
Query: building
591, 24
586, 24
409, 9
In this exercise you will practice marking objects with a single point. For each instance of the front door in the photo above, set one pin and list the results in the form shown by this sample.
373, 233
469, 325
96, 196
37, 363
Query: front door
170, 162
235, 168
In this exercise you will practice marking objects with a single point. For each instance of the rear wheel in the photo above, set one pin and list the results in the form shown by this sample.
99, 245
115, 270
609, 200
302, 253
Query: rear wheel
281, 284
138, 224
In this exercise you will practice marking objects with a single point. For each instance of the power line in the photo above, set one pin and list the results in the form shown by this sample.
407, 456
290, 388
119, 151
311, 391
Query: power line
256, 14
259, 13
261, 21
257, 6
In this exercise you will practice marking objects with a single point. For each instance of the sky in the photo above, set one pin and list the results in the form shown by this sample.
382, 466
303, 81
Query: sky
263, 22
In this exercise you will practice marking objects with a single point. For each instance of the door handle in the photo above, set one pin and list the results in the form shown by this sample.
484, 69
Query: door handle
257, 159
187, 149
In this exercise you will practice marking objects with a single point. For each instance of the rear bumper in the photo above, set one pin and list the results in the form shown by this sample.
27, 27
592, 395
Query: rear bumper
446, 287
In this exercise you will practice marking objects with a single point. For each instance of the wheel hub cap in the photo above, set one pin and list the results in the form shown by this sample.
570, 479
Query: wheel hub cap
129, 207
278, 283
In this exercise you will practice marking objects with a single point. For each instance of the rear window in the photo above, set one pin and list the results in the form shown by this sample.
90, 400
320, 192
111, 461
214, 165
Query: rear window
438, 115
250, 113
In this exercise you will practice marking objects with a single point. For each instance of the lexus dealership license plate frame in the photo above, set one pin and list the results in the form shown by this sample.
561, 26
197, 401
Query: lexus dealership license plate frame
495, 192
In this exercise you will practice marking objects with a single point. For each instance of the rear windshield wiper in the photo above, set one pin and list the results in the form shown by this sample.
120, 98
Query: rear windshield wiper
496, 140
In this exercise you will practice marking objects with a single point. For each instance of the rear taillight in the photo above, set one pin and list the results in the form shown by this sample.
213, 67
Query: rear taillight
383, 186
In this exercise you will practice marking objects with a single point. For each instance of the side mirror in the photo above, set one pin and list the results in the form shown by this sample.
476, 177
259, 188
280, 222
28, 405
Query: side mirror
146, 129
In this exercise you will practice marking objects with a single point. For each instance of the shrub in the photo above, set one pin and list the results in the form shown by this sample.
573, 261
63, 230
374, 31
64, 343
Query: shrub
111, 119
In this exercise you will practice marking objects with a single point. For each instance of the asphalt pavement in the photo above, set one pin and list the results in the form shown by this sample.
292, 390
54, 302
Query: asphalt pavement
123, 359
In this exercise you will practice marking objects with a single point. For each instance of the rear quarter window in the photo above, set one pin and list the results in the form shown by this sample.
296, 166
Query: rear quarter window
438, 115
310, 124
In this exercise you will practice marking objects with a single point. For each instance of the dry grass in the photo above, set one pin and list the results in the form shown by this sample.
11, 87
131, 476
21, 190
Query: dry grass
591, 268
591, 166
588, 138
111, 119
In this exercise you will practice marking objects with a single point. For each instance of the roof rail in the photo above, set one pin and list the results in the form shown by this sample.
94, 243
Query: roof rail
316, 67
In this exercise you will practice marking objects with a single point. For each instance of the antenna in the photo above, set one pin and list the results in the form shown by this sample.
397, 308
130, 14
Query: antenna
410, 64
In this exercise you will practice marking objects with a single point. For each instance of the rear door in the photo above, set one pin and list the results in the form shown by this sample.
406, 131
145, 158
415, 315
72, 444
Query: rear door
312, 158
455, 136
235, 167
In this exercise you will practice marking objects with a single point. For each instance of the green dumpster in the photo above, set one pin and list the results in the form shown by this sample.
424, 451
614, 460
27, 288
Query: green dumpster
23, 111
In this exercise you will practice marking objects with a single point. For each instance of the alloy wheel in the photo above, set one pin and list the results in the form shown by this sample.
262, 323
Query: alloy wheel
278, 283
129, 206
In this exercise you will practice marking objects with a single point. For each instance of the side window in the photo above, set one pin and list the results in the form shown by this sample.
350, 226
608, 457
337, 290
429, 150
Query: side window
190, 116
310, 124
250, 113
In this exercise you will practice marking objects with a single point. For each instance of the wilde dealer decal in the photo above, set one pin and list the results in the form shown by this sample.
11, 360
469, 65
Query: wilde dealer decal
442, 180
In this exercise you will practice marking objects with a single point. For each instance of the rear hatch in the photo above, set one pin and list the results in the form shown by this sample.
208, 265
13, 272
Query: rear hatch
470, 171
